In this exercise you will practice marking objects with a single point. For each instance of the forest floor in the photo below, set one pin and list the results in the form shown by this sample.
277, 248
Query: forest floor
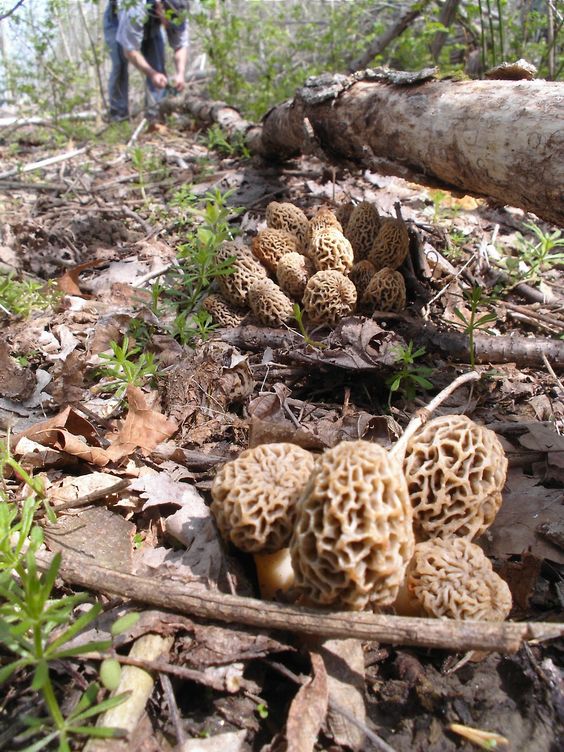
130, 470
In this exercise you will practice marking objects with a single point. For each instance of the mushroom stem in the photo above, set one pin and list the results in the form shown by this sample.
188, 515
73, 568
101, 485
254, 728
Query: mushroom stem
423, 415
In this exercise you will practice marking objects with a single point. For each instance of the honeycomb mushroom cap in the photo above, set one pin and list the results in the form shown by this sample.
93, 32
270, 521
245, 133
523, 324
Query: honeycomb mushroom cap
385, 291
222, 311
269, 303
323, 218
455, 470
255, 496
293, 272
286, 216
454, 579
353, 533
328, 297
362, 229
269, 245
329, 249
231, 249
361, 274
246, 269
391, 244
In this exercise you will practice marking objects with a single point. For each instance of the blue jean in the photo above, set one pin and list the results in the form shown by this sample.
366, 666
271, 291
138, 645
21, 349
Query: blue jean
152, 49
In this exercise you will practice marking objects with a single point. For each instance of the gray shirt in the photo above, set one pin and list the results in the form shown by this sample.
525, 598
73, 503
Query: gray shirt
132, 19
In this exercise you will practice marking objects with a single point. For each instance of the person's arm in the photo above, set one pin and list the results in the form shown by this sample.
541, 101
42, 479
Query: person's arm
139, 61
180, 62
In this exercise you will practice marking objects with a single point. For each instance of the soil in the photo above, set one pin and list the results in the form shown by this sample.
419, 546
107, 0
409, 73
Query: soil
91, 229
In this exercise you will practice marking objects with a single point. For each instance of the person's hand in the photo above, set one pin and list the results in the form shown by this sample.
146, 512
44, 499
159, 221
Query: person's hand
179, 83
158, 79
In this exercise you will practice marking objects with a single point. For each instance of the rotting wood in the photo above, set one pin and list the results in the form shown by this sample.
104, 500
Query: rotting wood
498, 139
504, 637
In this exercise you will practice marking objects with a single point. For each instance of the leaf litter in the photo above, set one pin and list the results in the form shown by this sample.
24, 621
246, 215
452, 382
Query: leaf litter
131, 478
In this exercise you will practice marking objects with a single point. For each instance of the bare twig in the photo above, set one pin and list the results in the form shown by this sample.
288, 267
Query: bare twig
10, 12
505, 637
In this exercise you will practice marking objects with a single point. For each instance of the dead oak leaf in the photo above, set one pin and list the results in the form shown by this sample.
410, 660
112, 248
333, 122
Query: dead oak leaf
308, 709
143, 427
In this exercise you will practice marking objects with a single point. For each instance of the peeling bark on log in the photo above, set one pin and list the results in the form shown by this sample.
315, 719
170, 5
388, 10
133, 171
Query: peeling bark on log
498, 139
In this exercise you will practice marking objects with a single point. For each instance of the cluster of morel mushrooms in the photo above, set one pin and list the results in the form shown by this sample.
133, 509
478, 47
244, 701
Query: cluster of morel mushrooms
334, 264
358, 527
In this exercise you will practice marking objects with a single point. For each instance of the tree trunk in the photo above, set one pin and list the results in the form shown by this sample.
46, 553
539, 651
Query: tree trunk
496, 138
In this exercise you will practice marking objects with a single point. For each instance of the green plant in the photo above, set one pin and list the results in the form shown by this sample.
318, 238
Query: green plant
125, 370
23, 298
215, 139
537, 256
187, 327
474, 322
411, 376
147, 165
262, 710
298, 315
36, 627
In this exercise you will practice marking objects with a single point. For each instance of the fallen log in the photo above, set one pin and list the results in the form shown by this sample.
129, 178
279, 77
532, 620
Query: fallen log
359, 344
497, 138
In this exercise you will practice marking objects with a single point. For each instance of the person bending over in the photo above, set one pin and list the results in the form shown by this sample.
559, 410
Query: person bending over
133, 32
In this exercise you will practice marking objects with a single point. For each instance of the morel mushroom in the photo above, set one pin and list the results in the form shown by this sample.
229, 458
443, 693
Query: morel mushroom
246, 270
293, 272
353, 533
361, 274
270, 245
323, 218
455, 470
286, 216
384, 292
391, 245
343, 214
329, 249
362, 229
328, 297
254, 496
267, 301
453, 579
222, 311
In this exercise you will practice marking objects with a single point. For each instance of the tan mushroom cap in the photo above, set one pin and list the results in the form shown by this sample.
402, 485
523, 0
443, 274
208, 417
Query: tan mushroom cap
361, 274
385, 291
286, 216
255, 495
454, 579
362, 228
269, 245
293, 272
455, 470
269, 303
329, 249
391, 245
246, 269
353, 534
328, 297
222, 311
323, 218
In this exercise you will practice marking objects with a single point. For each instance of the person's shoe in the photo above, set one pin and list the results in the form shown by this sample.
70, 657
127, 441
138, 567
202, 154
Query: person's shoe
108, 118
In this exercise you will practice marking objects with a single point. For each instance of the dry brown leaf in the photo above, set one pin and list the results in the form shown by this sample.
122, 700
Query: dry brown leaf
69, 432
68, 282
308, 709
103, 536
143, 427
526, 506
344, 663
16, 382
